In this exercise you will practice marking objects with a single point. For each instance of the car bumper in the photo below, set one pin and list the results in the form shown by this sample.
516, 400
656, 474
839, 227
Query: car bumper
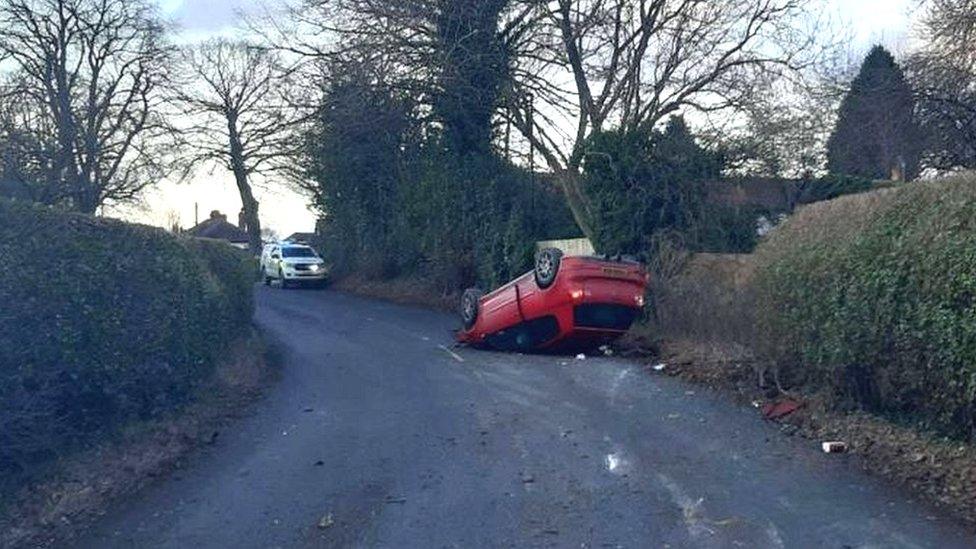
305, 275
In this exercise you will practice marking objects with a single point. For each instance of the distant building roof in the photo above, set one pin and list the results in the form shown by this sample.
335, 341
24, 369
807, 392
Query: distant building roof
777, 195
219, 228
301, 238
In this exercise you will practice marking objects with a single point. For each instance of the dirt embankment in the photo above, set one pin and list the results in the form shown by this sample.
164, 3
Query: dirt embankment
80, 488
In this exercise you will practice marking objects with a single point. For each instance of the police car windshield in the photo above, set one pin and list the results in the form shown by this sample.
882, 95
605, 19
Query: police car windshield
297, 252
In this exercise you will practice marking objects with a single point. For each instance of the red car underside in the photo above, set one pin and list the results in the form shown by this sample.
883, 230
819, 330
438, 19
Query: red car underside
592, 302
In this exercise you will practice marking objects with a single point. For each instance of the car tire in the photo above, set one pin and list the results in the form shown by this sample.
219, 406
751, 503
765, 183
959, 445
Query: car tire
470, 307
547, 266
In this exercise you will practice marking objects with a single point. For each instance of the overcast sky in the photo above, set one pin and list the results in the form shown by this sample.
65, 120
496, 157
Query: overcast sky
871, 21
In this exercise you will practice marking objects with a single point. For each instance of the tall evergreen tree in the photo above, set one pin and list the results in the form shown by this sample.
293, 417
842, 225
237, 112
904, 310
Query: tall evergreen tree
877, 136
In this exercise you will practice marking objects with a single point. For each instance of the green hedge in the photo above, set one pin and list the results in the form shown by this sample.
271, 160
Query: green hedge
102, 322
872, 299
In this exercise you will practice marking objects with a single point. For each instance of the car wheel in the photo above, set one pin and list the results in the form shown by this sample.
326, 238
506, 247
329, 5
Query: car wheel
470, 304
547, 266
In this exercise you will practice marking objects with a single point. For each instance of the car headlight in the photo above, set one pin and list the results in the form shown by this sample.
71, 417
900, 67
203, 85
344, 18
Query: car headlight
315, 268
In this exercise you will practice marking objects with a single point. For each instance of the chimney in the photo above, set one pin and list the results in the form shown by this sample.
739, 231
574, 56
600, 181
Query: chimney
215, 214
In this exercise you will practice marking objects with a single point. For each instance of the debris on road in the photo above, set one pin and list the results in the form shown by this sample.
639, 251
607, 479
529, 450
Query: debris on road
326, 522
777, 410
660, 367
834, 447
581, 356
606, 350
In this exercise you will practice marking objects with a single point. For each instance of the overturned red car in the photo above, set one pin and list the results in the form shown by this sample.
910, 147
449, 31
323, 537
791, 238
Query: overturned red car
565, 303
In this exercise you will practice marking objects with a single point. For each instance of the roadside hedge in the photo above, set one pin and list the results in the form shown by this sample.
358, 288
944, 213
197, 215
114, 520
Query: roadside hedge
102, 322
872, 299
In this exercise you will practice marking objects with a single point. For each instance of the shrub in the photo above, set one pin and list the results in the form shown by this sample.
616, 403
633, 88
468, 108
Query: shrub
706, 300
103, 322
872, 299
645, 182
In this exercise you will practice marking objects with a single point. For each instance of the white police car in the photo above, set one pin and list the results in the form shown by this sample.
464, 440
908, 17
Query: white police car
292, 264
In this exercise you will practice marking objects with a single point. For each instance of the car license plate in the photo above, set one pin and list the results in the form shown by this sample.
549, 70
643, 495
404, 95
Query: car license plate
615, 272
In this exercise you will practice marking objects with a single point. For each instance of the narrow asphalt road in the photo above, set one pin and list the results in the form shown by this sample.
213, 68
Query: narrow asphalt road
380, 435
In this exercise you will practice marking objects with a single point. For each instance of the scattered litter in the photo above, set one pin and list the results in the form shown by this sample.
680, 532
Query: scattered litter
834, 447
326, 522
527, 479
660, 367
581, 356
606, 350
563, 363
674, 416
756, 404
781, 409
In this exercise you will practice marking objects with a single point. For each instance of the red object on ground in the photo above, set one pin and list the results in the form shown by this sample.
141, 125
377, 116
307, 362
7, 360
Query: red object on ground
588, 302
781, 409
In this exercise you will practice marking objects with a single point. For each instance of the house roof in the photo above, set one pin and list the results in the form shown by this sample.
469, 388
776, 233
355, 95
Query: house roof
219, 228
301, 237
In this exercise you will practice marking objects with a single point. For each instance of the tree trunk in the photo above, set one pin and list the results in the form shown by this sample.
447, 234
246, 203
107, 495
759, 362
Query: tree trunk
572, 186
251, 205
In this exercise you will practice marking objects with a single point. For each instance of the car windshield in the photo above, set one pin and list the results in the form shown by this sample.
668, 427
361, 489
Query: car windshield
297, 252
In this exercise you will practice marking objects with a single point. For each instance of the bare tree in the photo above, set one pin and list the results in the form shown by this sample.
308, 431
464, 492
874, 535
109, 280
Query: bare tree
632, 63
242, 117
578, 66
88, 72
943, 73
